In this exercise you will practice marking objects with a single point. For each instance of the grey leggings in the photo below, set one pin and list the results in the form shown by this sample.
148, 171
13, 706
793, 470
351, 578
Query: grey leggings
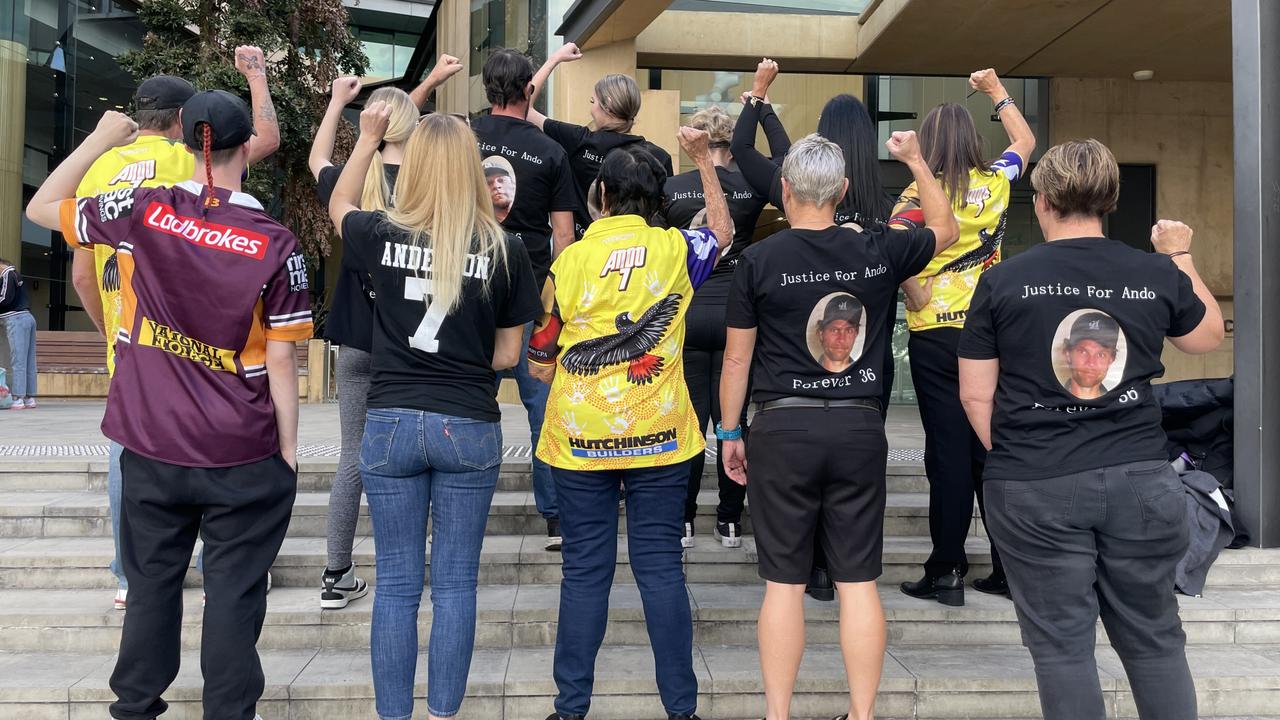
353, 373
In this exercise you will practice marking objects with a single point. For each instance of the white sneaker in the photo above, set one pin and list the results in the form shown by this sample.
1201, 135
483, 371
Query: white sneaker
30, 403
18, 404
121, 595
337, 591
687, 540
730, 534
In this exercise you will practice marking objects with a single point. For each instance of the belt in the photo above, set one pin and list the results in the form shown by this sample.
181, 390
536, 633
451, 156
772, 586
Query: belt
810, 402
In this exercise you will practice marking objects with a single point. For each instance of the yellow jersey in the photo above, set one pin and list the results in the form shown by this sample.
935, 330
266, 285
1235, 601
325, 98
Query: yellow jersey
956, 270
616, 336
149, 161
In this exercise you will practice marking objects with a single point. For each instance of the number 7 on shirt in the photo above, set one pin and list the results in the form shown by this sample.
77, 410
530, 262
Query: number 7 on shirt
424, 339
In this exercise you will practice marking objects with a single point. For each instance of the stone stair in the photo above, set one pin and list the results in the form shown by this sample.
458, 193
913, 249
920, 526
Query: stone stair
58, 634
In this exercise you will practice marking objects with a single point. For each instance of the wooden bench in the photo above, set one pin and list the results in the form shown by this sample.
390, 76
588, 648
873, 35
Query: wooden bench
74, 364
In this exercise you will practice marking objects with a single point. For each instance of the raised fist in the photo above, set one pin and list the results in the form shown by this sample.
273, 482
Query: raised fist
1171, 236
374, 120
904, 146
250, 62
115, 129
766, 72
446, 67
345, 89
568, 52
985, 81
695, 143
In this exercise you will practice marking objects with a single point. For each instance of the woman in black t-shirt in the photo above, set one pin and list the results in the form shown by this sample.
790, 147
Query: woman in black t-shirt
685, 207
845, 122
454, 293
1057, 356
615, 103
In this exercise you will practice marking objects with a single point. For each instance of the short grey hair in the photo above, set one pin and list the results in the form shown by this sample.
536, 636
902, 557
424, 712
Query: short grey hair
814, 169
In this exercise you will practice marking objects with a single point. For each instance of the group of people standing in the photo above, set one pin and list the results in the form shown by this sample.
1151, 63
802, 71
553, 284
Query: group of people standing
636, 308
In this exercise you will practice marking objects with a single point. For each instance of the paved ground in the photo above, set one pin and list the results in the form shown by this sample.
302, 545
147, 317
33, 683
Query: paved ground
73, 423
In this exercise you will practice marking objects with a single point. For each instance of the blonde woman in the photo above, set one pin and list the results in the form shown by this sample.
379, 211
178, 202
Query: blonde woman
454, 293
350, 321
615, 103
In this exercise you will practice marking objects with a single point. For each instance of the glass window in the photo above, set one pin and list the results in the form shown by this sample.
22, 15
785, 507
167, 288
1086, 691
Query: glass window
818, 7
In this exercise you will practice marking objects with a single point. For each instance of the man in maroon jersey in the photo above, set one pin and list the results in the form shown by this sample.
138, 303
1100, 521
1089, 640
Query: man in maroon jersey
204, 400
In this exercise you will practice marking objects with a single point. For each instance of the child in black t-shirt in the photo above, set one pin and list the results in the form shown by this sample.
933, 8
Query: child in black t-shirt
807, 313
1057, 356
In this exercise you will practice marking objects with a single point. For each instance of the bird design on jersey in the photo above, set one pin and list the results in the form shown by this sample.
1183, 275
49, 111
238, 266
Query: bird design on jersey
986, 252
111, 274
631, 344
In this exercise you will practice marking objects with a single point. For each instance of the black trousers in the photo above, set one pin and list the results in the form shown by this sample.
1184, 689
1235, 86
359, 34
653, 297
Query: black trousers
242, 514
703, 359
953, 455
1100, 542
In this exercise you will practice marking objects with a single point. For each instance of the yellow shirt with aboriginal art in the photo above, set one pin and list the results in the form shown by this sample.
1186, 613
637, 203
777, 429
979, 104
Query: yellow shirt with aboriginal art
149, 161
956, 270
616, 337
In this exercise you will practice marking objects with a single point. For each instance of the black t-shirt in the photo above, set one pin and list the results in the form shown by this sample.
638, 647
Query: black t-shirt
684, 206
587, 150
423, 359
350, 321
543, 182
819, 300
1078, 327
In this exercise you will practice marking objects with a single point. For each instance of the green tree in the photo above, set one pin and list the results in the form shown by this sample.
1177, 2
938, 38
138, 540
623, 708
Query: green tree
307, 43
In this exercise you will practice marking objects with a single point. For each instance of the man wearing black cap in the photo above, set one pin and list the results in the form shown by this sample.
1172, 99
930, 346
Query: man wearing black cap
1090, 350
838, 332
205, 400
156, 159
502, 189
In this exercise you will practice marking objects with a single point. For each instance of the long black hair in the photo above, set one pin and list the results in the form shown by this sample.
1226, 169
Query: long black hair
846, 122
630, 182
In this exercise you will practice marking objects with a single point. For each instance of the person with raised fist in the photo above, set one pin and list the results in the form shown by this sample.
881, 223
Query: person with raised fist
220, 463
937, 300
1089, 514
350, 321
806, 317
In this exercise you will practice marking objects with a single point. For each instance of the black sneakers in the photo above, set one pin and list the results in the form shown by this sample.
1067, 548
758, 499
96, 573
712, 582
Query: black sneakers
554, 541
730, 534
558, 716
820, 586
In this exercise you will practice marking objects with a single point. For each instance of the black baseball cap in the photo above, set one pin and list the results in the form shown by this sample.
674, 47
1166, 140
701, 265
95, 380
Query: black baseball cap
842, 308
163, 92
227, 115
1098, 327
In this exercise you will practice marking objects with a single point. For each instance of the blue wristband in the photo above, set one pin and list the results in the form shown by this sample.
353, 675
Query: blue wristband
722, 434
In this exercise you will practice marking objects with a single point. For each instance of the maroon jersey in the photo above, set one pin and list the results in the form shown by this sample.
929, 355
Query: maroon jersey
202, 291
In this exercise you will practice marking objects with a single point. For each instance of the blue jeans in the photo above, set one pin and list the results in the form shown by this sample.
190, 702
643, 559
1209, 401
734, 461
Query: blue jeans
115, 492
417, 464
533, 393
589, 524
21, 332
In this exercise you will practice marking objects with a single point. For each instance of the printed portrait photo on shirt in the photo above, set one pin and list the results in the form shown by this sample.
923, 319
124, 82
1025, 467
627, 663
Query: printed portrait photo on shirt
1089, 353
836, 332
501, 178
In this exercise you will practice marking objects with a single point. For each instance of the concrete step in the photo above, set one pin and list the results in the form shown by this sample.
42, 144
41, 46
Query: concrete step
516, 684
64, 563
527, 615
316, 475
31, 514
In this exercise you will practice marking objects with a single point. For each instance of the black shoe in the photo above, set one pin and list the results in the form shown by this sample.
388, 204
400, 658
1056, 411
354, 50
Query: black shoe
554, 541
947, 589
820, 586
992, 585
673, 716
558, 716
